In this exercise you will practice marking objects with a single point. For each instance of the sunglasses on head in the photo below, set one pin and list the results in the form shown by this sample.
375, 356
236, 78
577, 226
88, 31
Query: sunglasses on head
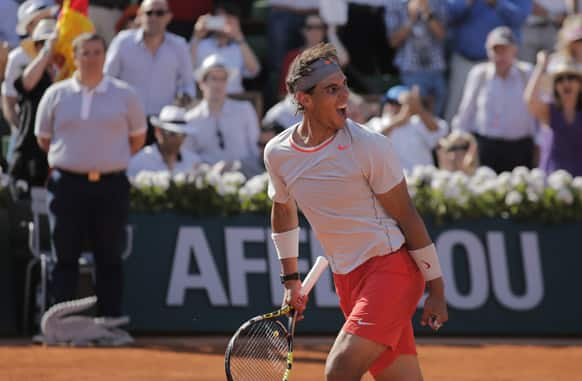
157, 12
566, 77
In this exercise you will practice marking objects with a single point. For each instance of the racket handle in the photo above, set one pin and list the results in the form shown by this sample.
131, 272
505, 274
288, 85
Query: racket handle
313, 275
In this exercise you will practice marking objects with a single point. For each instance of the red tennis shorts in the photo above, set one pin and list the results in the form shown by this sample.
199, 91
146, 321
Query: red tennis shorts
378, 300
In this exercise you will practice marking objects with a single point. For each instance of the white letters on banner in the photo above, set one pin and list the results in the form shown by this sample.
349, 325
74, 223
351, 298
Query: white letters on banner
487, 269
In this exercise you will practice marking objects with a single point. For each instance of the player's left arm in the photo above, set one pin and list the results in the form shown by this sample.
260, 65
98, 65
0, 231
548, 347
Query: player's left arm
398, 205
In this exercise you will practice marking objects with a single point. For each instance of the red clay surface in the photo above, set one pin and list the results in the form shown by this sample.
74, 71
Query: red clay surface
201, 359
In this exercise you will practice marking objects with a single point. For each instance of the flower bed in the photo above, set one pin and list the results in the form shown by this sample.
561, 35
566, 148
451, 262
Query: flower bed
522, 194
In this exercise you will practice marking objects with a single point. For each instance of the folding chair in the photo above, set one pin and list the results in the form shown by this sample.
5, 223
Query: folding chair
46, 257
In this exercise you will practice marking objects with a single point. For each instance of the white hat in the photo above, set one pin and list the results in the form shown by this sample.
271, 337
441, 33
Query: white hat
29, 10
213, 61
44, 30
172, 118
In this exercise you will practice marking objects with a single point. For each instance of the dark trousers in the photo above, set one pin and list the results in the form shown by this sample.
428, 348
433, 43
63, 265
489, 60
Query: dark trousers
504, 155
366, 23
95, 213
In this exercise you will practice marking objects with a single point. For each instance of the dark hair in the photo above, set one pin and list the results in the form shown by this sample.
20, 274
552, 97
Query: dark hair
272, 126
300, 66
230, 7
82, 38
559, 102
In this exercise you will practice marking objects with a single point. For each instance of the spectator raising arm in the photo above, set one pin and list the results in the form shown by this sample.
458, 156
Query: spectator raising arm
251, 62
535, 105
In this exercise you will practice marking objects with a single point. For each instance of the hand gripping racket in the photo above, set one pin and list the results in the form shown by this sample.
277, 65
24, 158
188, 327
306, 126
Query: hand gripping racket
262, 348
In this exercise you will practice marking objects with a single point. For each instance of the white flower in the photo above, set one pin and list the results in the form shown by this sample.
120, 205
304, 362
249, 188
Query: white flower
484, 174
199, 183
234, 178
559, 179
143, 179
577, 183
180, 178
452, 191
161, 179
532, 195
438, 184
502, 183
513, 198
213, 176
520, 171
564, 195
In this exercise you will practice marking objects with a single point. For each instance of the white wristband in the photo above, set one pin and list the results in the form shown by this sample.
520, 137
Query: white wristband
287, 243
427, 261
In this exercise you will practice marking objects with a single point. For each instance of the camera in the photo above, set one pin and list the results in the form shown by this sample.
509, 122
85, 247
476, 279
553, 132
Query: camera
215, 23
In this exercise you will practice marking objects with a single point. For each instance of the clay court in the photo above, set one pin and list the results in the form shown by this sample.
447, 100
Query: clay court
201, 359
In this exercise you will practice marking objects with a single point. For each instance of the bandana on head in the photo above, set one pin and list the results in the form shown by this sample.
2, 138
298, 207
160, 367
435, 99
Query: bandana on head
318, 70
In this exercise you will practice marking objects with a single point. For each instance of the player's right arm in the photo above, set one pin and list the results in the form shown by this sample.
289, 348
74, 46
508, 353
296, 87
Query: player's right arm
285, 226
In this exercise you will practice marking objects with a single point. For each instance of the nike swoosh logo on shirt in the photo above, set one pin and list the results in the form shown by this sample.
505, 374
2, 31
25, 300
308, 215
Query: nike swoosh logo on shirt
362, 322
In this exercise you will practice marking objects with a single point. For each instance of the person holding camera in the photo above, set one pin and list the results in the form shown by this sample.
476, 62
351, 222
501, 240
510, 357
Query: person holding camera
220, 34
417, 30
29, 162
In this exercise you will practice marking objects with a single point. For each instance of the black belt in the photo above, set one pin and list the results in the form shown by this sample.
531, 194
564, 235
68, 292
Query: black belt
92, 176
501, 140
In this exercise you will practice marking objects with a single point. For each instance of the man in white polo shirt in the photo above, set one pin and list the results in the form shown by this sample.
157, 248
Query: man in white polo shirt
349, 185
90, 125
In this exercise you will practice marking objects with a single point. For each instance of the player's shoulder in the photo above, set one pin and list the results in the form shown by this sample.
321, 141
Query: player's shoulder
361, 134
176, 40
279, 143
126, 35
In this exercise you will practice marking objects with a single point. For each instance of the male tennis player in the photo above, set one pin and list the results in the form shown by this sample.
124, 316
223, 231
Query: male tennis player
350, 186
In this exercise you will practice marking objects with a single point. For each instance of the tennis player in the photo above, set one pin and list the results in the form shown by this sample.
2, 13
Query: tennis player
349, 184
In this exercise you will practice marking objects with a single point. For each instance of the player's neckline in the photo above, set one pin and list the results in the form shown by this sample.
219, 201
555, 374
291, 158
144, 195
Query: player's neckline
316, 148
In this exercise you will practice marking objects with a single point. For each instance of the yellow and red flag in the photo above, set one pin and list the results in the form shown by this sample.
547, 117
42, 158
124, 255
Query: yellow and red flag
73, 21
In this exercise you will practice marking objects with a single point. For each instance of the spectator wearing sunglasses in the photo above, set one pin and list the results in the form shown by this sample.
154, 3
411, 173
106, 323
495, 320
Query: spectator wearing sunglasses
563, 115
569, 45
413, 130
167, 154
155, 62
223, 129
314, 31
458, 152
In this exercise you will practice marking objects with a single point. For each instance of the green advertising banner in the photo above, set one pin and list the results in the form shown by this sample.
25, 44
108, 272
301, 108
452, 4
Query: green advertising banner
208, 275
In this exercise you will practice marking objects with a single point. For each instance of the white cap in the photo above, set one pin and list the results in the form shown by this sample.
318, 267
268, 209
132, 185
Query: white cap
213, 61
44, 30
29, 10
172, 118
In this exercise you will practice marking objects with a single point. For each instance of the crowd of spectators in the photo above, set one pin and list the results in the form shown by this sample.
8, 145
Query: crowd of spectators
168, 85
454, 83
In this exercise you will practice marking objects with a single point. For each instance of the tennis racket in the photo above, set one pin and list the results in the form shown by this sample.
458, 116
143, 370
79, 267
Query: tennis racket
262, 348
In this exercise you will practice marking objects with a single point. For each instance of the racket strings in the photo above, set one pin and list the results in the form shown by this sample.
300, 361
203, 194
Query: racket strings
259, 352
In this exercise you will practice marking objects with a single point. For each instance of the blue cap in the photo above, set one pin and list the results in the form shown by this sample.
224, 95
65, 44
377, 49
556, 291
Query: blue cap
393, 94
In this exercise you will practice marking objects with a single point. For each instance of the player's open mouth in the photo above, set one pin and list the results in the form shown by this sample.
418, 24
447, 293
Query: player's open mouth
343, 111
